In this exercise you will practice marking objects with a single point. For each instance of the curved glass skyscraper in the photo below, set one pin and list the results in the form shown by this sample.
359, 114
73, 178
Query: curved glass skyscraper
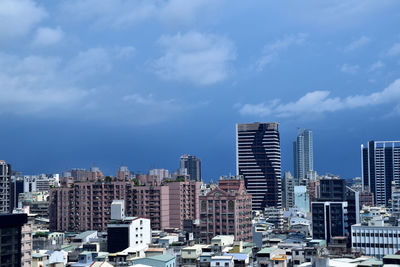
258, 160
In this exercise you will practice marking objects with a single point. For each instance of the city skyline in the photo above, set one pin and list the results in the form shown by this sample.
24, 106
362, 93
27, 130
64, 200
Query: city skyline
81, 85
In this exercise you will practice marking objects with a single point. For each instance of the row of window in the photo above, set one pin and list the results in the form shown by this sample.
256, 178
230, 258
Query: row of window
377, 234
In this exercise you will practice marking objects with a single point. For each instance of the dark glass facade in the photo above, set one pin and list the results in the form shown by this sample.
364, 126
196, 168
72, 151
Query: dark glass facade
259, 162
380, 165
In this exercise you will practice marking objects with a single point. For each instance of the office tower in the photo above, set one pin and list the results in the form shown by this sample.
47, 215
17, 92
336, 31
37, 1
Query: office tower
329, 219
334, 191
226, 210
303, 155
380, 165
192, 166
301, 198
5, 187
126, 232
288, 191
17, 187
258, 160
11, 237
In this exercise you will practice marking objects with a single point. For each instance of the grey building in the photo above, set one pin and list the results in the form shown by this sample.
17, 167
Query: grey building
5, 187
380, 165
191, 165
288, 191
258, 160
303, 156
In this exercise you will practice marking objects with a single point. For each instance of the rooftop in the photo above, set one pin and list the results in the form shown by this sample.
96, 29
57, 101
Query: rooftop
266, 250
84, 234
164, 258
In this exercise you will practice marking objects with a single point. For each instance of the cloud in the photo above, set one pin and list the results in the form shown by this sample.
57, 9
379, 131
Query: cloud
377, 65
90, 62
195, 57
318, 102
271, 51
124, 52
32, 84
394, 50
18, 17
48, 36
147, 109
350, 69
125, 13
184, 12
362, 41
114, 13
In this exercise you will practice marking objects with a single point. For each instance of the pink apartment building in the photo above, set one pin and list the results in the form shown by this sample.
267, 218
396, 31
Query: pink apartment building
226, 210
87, 205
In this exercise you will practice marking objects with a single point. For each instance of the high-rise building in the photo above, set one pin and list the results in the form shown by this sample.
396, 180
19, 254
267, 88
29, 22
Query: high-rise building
303, 154
87, 205
288, 191
329, 219
333, 193
5, 187
191, 165
226, 210
380, 165
258, 160
11, 237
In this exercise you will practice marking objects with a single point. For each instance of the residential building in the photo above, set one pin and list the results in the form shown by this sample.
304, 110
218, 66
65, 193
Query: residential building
329, 219
190, 255
288, 191
380, 165
303, 157
226, 261
274, 216
87, 205
5, 187
126, 232
191, 165
226, 210
26, 237
183, 201
258, 160
161, 173
11, 238
123, 174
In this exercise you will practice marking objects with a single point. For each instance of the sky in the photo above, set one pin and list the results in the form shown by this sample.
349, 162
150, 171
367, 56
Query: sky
138, 83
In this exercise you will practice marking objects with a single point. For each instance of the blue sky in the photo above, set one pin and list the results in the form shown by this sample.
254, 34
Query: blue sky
111, 82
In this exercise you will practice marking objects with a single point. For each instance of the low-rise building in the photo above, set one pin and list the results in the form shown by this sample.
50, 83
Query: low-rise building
158, 261
190, 256
226, 261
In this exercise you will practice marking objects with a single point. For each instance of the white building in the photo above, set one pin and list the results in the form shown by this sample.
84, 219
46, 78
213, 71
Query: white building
375, 239
126, 232
226, 261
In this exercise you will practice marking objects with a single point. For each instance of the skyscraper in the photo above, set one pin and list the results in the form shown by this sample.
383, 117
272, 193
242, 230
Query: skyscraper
303, 154
380, 165
192, 166
5, 187
258, 160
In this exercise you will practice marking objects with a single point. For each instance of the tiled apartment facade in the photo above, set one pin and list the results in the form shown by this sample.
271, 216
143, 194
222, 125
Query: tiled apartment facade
226, 210
87, 205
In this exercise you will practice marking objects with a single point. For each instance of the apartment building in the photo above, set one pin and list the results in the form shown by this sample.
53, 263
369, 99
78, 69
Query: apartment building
226, 210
